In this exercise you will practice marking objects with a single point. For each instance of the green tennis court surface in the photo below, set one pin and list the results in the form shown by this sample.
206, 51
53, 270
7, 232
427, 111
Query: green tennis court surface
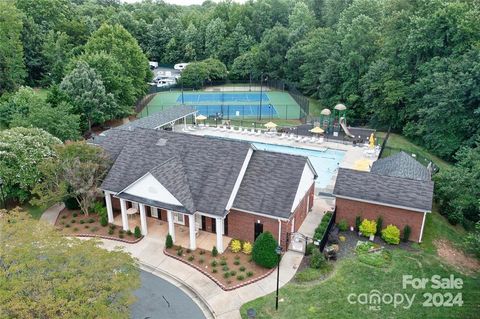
232, 105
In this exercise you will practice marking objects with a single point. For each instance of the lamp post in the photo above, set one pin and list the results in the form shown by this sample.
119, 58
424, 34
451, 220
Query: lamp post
3, 195
182, 93
279, 253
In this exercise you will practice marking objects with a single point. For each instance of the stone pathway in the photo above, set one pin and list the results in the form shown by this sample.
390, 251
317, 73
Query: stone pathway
51, 214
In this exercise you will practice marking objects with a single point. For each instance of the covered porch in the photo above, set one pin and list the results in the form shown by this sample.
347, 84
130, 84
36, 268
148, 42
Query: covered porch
184, 228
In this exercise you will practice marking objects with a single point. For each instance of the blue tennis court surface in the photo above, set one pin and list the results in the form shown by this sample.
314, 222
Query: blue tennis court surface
244, 97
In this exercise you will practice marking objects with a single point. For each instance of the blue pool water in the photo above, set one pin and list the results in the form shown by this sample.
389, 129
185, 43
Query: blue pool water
325, 162
230, 104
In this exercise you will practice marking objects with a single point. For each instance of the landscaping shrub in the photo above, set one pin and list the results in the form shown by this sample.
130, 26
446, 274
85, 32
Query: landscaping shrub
73, 221
91, 220
103, 221
71, 203
240, 277
214, 263
225, 268
236, 245
309, 249
368, 227
169, 241
202, 252
343, 225
249, 273
358, 221
179, 251
201, 260
263, 252
87, 226
129, 232
379, 226
320, 230
191, 258
391, 235
226, 275
137, 232
74, 214
233, 273
94, 229
406, 233
82, 222
236, 262
214, 251
214, 270
317, 260
188, 250
121, 236
64, 216
242, 268
110, 231
112, 226
247, 248
75, 229
67, 225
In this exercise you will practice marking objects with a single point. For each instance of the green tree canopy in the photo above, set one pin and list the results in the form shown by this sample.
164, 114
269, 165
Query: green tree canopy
22, 151
52, 276
87, 94
12, 68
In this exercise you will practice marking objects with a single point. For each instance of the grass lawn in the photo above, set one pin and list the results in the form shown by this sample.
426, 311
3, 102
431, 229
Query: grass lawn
398, 142
34, 211
329, 298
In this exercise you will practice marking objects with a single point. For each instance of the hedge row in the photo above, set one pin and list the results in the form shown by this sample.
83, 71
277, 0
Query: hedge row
320, 230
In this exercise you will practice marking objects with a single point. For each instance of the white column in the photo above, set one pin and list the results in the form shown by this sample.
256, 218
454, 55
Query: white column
191, 228
185, 122
123, 206
143, 219
219, 230
108, 201
171, 226
279, 232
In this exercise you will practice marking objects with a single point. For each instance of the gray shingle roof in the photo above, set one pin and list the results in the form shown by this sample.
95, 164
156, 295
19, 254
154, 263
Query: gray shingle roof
201, 172
389, 190
401, 165
270, 183
159, 119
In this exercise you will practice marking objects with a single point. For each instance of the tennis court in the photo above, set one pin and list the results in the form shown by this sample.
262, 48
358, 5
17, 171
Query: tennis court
229, 105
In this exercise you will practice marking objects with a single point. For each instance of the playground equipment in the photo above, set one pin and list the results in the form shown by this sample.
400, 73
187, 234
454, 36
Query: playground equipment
341, 111
325, 120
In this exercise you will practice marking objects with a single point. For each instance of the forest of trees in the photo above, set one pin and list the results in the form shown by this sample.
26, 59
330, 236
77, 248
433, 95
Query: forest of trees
412, 65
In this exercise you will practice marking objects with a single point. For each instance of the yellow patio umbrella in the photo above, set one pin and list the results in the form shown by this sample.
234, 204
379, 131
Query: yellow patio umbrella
317, 130
270, 125
201, 117
372, 140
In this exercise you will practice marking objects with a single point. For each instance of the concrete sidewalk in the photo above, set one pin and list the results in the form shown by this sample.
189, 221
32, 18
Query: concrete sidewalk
51, 214
223, 304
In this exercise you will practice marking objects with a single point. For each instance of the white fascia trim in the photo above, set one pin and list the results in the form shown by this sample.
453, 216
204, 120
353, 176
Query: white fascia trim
209, 215
157, 127
315, 175
239, 180
421, 229
260, 214
382, 204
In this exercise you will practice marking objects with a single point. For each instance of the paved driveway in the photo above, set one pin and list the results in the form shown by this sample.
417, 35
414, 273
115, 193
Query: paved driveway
157, 298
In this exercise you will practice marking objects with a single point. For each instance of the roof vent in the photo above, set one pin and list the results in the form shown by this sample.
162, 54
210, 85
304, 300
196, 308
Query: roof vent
161, 142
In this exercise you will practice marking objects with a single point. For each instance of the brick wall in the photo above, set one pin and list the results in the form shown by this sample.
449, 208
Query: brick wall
349, 209
241, 225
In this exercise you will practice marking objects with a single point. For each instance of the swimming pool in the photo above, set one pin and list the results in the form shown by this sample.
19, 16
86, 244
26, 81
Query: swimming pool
325, 162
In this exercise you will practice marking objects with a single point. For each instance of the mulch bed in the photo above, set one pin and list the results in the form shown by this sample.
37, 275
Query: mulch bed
75, 223
239, 267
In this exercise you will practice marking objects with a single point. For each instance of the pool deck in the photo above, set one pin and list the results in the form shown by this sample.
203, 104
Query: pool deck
356, 157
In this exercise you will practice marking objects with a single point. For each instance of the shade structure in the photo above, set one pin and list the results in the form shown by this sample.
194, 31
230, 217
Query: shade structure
270, 125
201, 117
340, 107
317, 130
326, 112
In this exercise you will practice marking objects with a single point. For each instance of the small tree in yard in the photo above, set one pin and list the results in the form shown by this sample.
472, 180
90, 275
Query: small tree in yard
317, 260
472, 241
169, 241
379, 226
76, 172
406, 233
391, 235
137, 233
263, 252
214, 251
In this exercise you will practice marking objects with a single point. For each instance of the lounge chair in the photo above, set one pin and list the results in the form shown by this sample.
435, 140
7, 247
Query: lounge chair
298, 138
252, 131
258, 133
313, 139
232, 129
